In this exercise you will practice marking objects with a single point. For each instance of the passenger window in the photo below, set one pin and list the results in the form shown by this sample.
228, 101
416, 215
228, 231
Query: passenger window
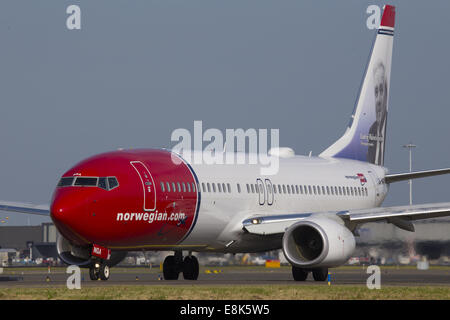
219, 187
214, 187
253, 188
274, 188
284, 189
193, 187
168, 187
184, 187
204, 188
229, 187
179, 187
238, 187
288, 187
173, 187
209, 187
162, 187
248, 188
188, 186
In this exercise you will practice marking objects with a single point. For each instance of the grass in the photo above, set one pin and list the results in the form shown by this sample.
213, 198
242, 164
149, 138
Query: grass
55, 291
235, 292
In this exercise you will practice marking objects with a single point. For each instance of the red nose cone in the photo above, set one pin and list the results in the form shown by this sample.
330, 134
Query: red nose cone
67, 212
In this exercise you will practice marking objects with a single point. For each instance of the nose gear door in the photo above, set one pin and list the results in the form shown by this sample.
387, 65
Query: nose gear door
148, 185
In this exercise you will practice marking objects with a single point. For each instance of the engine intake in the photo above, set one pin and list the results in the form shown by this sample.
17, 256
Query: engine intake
318, 243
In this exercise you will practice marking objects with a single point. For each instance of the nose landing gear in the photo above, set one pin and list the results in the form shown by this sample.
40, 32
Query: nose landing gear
174, 265
99, 271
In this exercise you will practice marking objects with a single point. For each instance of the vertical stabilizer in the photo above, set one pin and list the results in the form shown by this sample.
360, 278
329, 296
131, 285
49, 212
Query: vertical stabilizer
365, 136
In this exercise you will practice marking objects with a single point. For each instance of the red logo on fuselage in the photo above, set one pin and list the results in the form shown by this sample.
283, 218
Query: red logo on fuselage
362, 178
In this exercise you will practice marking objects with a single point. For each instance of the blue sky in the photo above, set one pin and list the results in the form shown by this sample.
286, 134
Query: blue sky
137, 70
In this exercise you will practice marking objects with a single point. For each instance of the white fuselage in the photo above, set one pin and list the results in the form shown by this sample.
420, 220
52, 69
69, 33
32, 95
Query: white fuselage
307, 185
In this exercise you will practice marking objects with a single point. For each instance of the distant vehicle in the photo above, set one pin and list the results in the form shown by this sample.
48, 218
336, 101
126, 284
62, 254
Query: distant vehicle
353, 261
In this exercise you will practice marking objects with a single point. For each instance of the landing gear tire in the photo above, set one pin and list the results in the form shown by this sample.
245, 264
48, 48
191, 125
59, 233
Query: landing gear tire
320, 274
99, 272
170, 270
299, 274
104, 272
93, 273
190, 268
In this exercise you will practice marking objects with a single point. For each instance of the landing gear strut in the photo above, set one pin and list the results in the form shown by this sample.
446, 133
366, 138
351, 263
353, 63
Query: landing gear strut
99, 270
300, 274
174, 265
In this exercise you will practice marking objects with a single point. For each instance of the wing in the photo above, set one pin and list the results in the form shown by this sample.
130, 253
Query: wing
42, 210
400, 216
390, 178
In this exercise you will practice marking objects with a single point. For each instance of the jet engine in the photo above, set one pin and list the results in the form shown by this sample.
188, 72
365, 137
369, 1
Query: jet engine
320, 242
81, 256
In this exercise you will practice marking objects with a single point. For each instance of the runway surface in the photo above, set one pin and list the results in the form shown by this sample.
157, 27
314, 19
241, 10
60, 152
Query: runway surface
228, 276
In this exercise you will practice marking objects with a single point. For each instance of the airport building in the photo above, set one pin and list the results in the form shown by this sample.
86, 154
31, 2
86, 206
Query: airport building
29, 241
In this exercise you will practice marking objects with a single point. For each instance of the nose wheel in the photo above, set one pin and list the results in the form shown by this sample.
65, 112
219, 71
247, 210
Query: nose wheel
99, 271
174, 265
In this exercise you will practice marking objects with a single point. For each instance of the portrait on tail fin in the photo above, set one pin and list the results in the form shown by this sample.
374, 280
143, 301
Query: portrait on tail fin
376, 138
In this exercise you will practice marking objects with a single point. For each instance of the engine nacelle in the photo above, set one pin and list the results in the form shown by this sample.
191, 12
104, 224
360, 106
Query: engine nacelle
81, 256
318, 242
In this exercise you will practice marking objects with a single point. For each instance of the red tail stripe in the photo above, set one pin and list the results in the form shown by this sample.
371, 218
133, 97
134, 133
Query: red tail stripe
388, 19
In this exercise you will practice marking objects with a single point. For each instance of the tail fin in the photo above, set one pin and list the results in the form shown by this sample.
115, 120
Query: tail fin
365, 136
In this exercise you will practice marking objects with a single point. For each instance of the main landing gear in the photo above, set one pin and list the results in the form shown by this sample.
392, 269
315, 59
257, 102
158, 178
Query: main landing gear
319, 274
99, 271
174, 265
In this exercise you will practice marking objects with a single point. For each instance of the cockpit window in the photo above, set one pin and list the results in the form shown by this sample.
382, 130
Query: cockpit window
86, 181
106, 183
64, 182
112, 181
102, 183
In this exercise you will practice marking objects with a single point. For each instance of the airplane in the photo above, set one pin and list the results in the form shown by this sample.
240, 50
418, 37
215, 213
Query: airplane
130, 200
